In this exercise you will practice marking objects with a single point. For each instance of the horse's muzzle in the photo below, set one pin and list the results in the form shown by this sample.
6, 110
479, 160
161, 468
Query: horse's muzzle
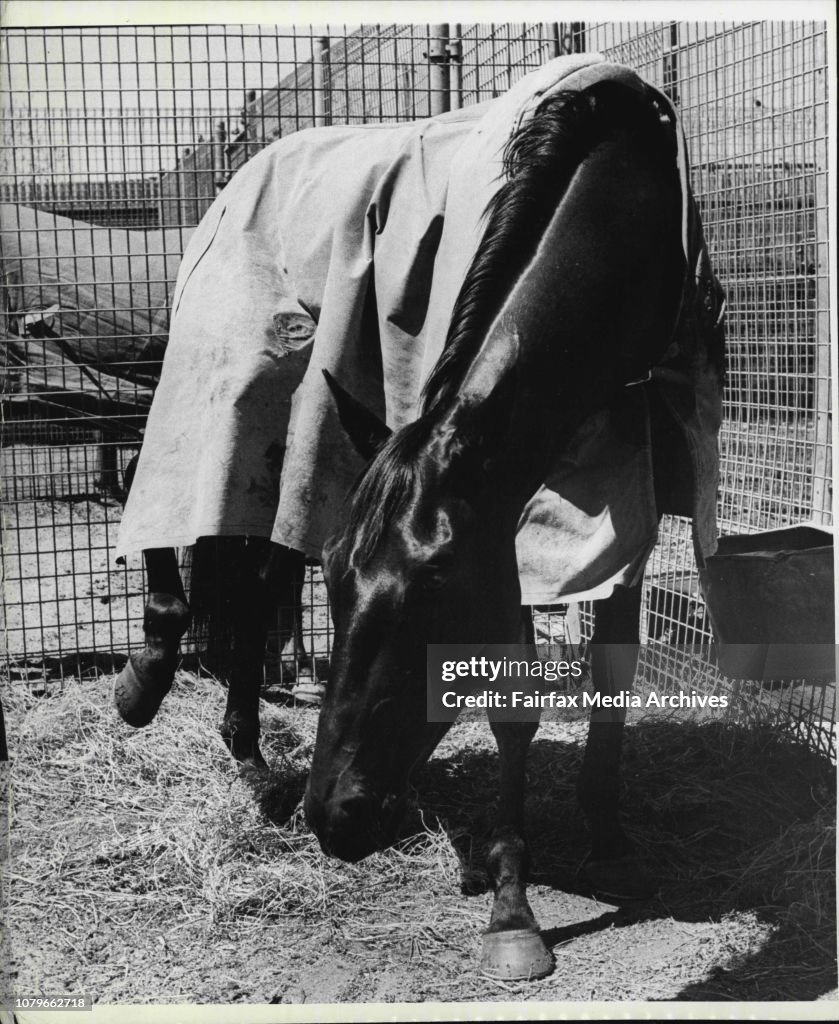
351, 824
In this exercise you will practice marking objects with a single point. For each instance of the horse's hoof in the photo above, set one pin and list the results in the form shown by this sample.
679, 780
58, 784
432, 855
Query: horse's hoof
518, 954
248, 757
254, 768
139, 692
242, 740
621, 880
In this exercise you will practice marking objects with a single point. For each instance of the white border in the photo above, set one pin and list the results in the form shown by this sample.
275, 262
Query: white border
20, 13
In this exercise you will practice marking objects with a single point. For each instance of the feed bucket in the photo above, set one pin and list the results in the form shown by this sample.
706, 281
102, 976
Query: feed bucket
771, 603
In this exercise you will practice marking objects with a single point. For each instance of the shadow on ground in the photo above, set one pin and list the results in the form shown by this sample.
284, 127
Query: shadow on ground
729, 818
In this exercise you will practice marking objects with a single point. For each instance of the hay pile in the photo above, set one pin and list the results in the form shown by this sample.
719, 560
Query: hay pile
164, 811
144, 868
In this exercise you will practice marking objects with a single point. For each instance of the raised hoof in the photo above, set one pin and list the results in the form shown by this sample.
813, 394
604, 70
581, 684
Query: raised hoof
516, 955
621, 880
139, 691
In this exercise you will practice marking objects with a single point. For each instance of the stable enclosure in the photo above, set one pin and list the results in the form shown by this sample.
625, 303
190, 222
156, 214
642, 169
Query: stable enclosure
116, 140
145, 867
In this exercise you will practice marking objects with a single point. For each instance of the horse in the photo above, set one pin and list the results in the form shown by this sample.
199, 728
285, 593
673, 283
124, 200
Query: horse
586, 310
575, 294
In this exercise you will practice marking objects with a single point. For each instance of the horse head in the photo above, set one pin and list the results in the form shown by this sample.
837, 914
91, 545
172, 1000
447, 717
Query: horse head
427, 556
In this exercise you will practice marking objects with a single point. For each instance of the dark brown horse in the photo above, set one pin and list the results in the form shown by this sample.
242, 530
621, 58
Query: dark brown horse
585, 282
576, 291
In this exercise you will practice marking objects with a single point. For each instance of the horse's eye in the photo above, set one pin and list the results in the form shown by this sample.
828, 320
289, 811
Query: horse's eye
435, 575
433, 580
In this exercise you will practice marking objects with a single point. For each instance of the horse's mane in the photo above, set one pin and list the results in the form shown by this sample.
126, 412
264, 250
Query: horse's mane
538, 163
385, 485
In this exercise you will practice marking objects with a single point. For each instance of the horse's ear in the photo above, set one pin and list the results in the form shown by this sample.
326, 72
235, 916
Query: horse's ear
364, 428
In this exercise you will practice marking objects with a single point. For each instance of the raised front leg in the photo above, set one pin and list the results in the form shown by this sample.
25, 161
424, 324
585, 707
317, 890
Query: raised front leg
612, 870
147, 676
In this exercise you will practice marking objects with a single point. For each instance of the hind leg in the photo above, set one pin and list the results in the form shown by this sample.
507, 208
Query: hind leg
612, 869
284, 573
250, 606
147, 677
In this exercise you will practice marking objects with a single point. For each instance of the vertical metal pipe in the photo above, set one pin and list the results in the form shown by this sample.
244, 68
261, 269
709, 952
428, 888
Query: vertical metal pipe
161, 210
578, 37
568, 37
396, 76
438, 70
219, 170
250, 100
671, 65
455, 52
320, 83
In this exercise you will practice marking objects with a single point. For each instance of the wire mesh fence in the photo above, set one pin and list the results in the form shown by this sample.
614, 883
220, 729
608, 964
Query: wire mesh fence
115, 141
753, 103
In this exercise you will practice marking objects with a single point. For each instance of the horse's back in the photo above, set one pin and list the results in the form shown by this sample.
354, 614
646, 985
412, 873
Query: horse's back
285, 251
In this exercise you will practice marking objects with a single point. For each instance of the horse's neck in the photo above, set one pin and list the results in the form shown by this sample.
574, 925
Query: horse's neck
593, 309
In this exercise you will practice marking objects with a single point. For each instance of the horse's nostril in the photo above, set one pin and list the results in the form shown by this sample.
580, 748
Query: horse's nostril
354, 808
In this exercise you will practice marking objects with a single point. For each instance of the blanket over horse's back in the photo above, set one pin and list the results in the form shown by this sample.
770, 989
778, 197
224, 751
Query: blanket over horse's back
344, 248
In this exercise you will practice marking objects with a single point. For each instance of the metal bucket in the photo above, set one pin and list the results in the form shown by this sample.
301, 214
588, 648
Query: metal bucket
770, 598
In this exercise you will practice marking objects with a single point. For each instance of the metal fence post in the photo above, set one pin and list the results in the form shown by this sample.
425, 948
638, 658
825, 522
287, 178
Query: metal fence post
671, 65
438, 70
320, 82
161, 209
219, 170
568, 37
454, 50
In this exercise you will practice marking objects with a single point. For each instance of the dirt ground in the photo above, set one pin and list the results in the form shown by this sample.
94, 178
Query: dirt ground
144, 869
